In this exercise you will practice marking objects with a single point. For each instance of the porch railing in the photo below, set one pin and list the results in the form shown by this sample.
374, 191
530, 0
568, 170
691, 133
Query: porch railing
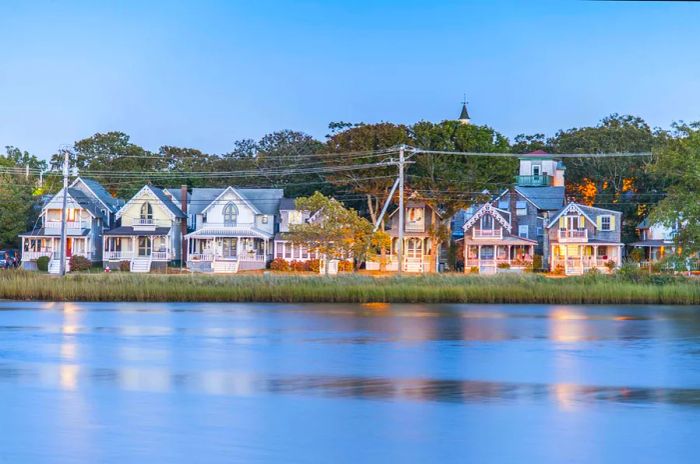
143, 222
543, 180
213, 257
33, 255
573, 235
160, 255
415, 226
487, 233
118, 255
55, 226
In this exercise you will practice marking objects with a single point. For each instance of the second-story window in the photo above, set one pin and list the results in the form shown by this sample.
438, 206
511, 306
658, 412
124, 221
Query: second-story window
486, 222
605, 224
230, 214
146, 211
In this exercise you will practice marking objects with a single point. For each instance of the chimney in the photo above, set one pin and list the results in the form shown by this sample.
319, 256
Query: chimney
183, 226
513, 197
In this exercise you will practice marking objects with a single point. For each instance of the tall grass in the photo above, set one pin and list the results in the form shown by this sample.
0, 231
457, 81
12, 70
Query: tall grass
526, 288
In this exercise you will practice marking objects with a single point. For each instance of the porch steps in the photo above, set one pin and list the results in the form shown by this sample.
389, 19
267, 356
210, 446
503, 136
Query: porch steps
224, 267
413, 267
55, 266
140, 265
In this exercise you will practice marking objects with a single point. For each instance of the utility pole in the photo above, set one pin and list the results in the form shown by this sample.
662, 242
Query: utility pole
63, 214
401, 211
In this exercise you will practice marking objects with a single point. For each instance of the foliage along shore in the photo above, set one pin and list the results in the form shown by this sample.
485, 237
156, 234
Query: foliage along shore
456, 288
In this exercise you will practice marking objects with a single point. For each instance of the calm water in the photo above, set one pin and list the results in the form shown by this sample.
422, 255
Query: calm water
210, 383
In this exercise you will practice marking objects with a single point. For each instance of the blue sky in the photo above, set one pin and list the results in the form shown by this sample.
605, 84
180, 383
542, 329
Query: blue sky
205, 73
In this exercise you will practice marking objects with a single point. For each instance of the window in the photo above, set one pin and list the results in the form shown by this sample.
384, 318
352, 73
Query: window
523, 231
540, 231
503, 204
536, 170
605, 223
295, 217
288, 250
278, 249
486, 222
146, 211
230, 214
521, 208
264, 219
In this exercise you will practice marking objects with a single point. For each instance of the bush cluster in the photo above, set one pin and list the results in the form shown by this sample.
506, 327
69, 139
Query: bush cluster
43, 263
79, 263
125, 266
312, 265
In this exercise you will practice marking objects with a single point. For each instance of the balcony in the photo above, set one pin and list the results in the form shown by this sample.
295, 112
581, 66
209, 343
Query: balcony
417, 226
487, 233
542, 180
573, 235
54, 227
144, 223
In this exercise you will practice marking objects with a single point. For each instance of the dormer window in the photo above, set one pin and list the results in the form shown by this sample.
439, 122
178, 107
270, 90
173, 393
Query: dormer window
486, 222
230, 214
146, 211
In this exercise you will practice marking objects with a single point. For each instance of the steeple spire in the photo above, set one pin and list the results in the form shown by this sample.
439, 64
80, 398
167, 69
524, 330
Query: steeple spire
464, 115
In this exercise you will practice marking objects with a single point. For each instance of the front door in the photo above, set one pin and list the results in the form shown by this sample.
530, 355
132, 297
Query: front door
69, 247
415, 248
229, 247
144, 246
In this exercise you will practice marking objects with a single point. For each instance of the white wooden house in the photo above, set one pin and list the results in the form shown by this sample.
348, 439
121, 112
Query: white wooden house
90, 210
148, 234
584, 237
233, 229
284, 249
492, 240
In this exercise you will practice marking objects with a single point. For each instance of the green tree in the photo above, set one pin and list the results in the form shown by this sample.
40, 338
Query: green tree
679, 165
621, 183
335, 232
346, 145
16, 205
185, 160
450, 182
16, 157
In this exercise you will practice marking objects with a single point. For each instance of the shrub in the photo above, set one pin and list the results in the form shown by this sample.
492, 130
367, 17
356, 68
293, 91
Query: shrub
43, 263
279, 264
346, 266
314, 265
80, 263
125, 266
610, 265
298, 266
537, 262
474, 270
559, 270
630, 272
636, 254
503, 266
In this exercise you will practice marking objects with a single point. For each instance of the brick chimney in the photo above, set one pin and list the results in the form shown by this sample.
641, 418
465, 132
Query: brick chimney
513, 197
183, 224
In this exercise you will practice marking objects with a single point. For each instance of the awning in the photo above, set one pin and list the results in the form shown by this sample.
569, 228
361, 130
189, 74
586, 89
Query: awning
228, 232
55, 233
130, 231
652, 243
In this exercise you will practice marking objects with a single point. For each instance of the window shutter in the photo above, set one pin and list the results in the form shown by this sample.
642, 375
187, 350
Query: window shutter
562, 222
612, 222
599, 222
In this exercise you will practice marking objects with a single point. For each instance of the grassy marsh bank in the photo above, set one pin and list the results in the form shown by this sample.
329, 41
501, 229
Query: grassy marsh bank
526, 288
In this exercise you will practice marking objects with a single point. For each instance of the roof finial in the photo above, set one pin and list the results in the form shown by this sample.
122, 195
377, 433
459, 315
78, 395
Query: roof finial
464, 115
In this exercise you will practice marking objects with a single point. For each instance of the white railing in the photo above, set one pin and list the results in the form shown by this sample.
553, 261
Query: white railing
487, 233
84, 254
56, 225
143, 222
573, 235
33, 255
249, 257
200, 257
415, 226
118, 255
160, 255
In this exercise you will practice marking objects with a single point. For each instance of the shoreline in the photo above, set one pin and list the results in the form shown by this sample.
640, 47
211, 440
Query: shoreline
352, 288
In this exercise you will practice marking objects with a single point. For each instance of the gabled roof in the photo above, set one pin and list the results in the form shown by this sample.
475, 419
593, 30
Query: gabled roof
589, 212
288, 204
544, 198
265, 200
91, 205
171, 207
176, 193
235, 192
487, 208
99, 192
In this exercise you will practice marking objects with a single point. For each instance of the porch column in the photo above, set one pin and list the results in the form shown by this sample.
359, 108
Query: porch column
238, 248
508, 248
478, 256
566, 258
595, 256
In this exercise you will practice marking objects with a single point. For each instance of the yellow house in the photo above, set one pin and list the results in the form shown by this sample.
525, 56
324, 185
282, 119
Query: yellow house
149, 233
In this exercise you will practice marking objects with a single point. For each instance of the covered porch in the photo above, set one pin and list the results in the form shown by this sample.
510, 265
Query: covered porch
577, 259
653, 251
508, 253
36, 246
143, 247
227, 251
417, 256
